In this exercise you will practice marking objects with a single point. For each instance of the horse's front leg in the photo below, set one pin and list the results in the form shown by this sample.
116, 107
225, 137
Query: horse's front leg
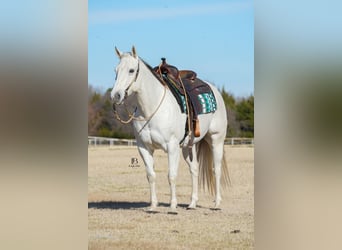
173, 160
147, 156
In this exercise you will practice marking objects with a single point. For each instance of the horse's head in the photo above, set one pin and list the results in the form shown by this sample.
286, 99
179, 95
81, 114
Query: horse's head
127, 72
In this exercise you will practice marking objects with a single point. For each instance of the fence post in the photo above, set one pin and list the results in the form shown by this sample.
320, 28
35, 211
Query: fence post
232, 141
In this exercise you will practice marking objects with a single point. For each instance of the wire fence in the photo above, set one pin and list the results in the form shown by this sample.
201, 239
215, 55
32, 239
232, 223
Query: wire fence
94, 141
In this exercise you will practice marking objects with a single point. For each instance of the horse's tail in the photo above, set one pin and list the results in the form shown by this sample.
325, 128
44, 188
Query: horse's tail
206, 168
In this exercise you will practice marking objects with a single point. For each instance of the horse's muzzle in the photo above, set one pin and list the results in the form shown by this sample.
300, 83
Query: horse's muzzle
118, 97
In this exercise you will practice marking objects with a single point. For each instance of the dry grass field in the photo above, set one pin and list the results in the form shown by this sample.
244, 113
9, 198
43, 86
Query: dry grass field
118, 197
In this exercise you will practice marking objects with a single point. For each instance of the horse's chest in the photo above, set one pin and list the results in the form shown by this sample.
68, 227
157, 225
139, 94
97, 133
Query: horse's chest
152, 136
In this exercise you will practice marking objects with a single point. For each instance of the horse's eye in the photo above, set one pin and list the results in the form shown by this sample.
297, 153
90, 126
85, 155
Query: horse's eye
131, 71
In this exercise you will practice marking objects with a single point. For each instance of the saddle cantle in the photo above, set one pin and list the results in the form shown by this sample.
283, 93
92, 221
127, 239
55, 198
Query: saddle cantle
185, 85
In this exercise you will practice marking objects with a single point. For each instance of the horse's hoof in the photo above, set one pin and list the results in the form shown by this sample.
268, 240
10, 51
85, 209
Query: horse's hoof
192, 205
217, 204
173, 205
152, 207
173, 209
152, 210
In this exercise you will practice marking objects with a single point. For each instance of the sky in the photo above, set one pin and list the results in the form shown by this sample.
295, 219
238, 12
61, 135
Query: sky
213, 38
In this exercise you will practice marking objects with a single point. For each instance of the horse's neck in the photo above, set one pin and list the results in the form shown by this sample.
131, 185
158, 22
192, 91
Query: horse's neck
150, 91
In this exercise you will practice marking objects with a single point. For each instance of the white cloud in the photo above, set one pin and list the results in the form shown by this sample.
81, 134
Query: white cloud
123, 15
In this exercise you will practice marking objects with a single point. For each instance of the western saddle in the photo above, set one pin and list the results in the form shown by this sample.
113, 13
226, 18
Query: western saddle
177, 78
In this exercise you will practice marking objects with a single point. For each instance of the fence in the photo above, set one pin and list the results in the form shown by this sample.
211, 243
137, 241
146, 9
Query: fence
239, 141
95, 141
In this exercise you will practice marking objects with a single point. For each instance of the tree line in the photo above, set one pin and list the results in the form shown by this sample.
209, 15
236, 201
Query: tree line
101, 120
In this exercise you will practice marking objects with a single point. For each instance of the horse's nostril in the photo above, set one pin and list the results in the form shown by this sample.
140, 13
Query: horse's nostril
117, 96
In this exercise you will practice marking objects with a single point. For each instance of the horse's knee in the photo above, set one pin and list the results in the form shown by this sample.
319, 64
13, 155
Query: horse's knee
217, 169
172, 178
194, 173
151, 177
193, 170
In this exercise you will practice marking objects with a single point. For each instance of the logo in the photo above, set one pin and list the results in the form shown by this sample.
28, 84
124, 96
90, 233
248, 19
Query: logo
134, 163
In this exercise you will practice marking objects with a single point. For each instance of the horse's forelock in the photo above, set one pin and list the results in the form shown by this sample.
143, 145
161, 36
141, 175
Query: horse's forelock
127, 54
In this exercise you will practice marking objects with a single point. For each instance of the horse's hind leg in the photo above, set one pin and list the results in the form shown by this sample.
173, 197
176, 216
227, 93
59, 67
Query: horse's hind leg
217, 149
147, 156
193, 165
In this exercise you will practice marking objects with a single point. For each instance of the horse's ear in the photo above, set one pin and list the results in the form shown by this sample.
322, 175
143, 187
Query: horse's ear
118, 52
134, 53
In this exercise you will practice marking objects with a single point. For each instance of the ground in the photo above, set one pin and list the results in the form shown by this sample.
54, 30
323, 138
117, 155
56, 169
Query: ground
118, 197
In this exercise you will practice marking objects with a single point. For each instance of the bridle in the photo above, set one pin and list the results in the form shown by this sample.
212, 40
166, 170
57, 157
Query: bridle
133, 81
131, 115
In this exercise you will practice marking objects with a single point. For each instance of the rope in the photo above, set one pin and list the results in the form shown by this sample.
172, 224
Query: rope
148, 120
131, 115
